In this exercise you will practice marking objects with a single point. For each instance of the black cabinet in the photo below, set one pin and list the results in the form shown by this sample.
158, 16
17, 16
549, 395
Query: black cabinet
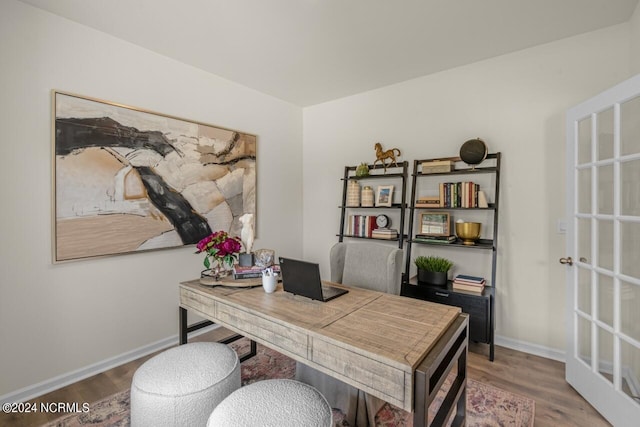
480, 307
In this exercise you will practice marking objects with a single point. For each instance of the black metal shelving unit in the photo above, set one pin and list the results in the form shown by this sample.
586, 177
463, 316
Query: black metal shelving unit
480, 307
377, 173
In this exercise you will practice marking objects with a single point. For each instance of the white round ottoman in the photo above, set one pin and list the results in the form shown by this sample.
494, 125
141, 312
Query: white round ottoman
181, 386
273, 403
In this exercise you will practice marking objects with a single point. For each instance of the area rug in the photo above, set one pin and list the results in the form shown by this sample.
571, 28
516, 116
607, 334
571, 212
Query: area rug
487, 406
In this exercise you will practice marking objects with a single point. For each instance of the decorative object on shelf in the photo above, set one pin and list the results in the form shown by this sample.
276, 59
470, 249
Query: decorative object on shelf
353, 193
381, 156
435, 223
245, 259
437, 166
482, 200
367, 197
432, 270
473, 152
220, 251
265, 257
383, 221
362, 170
468, 232
384, 195
385, 233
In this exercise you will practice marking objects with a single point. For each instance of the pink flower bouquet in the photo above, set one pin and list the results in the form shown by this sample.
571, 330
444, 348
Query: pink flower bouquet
219, 247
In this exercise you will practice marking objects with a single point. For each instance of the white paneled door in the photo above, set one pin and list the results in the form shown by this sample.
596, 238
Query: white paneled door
603, 252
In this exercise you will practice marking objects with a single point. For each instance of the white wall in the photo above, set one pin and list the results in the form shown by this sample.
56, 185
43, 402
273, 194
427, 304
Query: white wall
517, 104
55, 319
634, 24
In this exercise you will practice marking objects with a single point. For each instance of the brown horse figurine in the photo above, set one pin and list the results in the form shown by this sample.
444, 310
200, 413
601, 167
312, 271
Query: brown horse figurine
382, 155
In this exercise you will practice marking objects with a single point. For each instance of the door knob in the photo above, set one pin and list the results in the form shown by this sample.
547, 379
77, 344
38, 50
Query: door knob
566, 260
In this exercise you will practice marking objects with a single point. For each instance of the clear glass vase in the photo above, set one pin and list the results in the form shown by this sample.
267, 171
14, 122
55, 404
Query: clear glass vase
217, 271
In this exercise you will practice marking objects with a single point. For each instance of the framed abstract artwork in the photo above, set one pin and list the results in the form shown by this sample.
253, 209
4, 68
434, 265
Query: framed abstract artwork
127, 180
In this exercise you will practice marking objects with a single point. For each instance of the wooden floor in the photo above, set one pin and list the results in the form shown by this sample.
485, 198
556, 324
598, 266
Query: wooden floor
557, 404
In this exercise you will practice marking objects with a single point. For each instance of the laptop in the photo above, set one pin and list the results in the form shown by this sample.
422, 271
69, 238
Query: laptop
303, 278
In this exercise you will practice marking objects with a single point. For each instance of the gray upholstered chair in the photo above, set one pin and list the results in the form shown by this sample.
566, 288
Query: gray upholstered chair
375, 266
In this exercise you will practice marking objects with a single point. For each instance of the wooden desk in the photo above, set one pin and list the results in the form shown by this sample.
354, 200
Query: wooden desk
396, 348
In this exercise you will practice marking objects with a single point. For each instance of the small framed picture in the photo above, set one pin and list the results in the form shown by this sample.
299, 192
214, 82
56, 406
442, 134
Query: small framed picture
384, 195
435, 224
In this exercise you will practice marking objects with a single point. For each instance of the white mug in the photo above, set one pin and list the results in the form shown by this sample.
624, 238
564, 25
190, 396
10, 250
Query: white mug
269, 282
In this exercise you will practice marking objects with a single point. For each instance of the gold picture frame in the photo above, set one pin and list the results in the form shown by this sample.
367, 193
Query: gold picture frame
435, 224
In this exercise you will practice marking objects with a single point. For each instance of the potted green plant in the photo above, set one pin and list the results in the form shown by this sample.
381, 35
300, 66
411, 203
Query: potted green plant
432, 270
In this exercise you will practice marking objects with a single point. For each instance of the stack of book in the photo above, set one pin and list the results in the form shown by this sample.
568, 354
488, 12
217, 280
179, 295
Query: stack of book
463, 282
251, 272
384, 233
427, 238
428, 202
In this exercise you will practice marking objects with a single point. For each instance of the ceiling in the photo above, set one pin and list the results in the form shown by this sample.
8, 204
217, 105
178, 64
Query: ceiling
310, 51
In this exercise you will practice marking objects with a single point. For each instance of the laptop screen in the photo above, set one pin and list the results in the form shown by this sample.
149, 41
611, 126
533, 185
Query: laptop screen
301, 278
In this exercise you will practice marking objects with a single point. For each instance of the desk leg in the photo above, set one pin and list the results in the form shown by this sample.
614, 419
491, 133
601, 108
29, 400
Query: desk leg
185, 329
183, 326
252, 351
430, 375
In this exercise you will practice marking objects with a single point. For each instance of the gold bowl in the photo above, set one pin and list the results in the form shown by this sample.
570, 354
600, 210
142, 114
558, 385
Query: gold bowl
469, 232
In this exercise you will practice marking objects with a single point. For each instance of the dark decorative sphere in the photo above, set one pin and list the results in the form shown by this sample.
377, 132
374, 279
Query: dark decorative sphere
473, 152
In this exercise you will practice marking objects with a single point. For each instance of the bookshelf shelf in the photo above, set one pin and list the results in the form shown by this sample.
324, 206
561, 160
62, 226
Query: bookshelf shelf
490, 207
480, 244
394, 206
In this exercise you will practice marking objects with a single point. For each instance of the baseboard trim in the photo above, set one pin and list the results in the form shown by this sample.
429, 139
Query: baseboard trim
535, 349
33, 391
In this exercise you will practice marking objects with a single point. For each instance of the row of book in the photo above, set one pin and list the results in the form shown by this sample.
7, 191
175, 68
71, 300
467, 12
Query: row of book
455, 195
251, 272
365, 226
361, 225
463, 282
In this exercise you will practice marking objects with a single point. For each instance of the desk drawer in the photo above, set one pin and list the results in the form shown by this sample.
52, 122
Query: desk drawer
272, 334
367, 372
